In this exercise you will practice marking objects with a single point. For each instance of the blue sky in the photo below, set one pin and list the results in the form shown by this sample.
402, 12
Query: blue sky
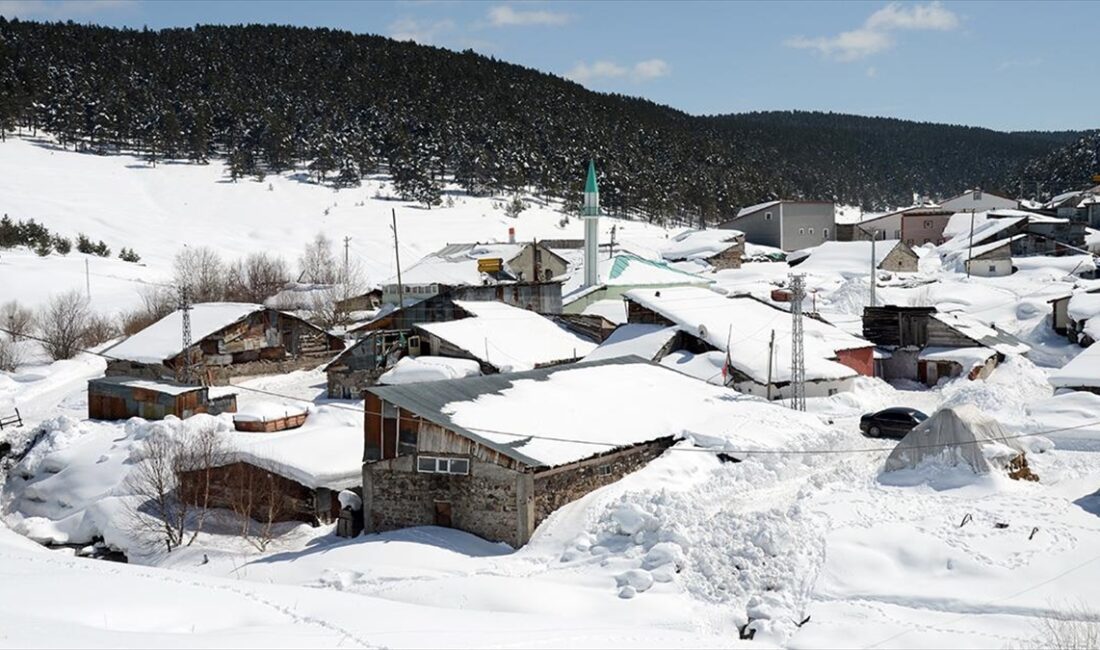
1007, 66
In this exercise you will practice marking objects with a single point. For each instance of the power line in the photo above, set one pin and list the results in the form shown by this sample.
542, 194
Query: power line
518, 434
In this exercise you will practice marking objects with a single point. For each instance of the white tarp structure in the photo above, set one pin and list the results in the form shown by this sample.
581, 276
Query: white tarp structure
952, 436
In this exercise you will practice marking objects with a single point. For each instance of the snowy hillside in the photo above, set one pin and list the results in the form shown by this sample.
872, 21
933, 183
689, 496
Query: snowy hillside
156, 210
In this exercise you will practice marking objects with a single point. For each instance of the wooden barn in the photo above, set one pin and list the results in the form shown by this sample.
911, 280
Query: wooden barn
121, 398
230, 340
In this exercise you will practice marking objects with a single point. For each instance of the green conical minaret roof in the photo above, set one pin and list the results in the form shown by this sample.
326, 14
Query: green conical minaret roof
590, 184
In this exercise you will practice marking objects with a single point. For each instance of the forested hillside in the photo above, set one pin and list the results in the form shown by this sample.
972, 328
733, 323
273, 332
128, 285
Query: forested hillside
342, 105
1070, 167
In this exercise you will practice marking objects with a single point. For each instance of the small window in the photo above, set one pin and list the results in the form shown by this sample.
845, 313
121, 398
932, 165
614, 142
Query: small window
977, 195
538, 255
897, 234
425, 464
992, 268
460, 466
438, 465
549, 275
832, 391
927, 224
825, 233
811, 231
603, 470
802, 231
767, 216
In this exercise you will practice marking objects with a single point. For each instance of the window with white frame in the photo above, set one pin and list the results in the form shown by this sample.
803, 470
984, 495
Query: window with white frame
802, 231
767, 216
441, 465
811, 231
825, 233
992, 268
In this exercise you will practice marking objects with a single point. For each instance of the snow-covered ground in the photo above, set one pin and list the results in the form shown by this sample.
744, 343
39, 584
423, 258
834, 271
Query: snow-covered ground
813, 547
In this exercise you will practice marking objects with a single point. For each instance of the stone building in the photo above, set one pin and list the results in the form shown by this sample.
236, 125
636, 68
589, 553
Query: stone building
121, 398
424, 464
229, 340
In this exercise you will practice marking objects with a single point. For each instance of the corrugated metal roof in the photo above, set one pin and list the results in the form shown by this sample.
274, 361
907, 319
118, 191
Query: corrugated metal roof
428, 399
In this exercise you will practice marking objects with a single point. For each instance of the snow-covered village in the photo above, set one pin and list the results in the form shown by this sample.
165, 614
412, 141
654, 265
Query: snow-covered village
303, 364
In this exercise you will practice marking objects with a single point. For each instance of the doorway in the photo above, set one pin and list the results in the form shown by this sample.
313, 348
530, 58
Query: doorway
443, 514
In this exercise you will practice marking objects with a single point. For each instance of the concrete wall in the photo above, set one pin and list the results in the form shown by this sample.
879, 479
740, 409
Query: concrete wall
917, 230
885, 227
760, 227
813, 388
990, 268
524, 265
971, 201
1059, 313
807, 224
902, 364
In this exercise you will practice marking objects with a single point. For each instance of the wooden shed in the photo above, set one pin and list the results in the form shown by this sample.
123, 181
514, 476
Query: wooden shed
121, 398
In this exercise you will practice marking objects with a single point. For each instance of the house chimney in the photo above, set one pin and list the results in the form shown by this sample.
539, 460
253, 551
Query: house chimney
511, 235
590, 214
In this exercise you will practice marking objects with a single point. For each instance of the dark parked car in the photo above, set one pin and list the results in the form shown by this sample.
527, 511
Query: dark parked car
891, 423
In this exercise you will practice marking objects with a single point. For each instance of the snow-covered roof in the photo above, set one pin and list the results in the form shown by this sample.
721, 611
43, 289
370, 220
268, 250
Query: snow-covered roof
747, 324
1083, 371
595, 405
968, 358
456, 264
759, 206
700, 244
164, 338
1084, 306
986, 228
1061, 198
267, 411
634, 339
411, 370
982, 334
847, 257
625, 270
166, 387
613, 309
991, 246
509, 338
325, 452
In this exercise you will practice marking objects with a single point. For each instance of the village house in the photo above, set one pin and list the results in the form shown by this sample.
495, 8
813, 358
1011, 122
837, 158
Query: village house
1032, 233
121, 398
977, 200
290, 475
923, 344
993, 259
496, 455
716, 249
382, 342
1075, 316
730, 340
616, 276
471, 265
369, 301
785, 224
229, 340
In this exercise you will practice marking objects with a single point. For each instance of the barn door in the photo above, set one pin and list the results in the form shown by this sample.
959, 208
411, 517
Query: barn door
443, 514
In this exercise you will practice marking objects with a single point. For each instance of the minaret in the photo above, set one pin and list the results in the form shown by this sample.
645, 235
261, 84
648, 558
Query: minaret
590, 213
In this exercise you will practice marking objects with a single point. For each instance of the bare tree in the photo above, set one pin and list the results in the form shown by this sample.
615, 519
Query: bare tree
260, 504
62, 324
173, 484
99, 329
1077, 628
17, 319
317, 263
256, 277
156, 303
11, 355
201, 270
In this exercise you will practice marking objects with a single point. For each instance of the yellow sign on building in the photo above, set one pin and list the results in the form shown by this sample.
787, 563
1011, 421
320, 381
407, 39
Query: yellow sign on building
490, 265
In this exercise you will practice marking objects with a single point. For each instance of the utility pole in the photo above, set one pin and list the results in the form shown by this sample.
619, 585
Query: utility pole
347, 267
535, 255
798, 359
87, 281
771, 356
970, 248
873, 282
397, 260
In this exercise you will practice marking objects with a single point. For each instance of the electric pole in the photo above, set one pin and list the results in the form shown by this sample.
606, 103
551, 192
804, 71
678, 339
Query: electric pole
771, 356
185, 313
970, 248
87, 281
873, 283
798, 358
397, 260
347, 268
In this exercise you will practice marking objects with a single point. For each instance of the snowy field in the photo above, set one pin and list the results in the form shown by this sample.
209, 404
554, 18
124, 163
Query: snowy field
814, 547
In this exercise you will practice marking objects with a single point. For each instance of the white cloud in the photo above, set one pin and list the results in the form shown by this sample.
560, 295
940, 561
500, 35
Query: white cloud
641, 71
506, 16
425, 33
29, 9
878, 31
651, 69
